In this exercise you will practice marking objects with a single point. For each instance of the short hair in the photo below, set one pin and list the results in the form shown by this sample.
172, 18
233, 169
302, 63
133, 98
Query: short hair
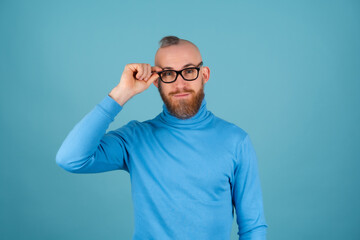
173, 40
169, 41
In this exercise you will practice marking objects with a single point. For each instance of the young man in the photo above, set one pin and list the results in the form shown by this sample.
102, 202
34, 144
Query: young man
189, 169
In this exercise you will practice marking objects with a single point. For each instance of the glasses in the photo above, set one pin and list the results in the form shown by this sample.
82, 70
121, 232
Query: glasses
188, 74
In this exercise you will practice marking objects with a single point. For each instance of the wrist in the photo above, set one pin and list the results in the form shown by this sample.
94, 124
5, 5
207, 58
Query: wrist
120, 96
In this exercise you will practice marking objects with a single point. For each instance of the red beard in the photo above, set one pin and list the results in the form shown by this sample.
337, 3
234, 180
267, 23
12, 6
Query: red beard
183, 108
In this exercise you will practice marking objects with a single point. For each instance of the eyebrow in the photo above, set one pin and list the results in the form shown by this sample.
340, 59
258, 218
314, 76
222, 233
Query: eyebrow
185, 66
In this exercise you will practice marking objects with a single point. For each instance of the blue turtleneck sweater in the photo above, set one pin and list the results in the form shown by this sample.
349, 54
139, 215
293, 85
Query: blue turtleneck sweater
187, 176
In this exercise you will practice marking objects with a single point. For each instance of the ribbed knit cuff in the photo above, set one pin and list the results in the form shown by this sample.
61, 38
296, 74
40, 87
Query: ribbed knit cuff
110, 107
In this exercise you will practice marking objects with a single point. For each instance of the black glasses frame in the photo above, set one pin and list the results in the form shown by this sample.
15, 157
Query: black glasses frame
179, 73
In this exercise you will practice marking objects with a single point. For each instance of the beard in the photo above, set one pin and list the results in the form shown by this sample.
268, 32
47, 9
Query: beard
183, 108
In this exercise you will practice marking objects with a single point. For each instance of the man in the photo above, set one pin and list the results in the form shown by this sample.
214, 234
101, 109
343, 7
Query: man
188, 168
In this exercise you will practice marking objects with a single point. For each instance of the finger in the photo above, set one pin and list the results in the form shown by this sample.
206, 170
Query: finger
140, 71
132, 68
152, 78
148, 72
156, 69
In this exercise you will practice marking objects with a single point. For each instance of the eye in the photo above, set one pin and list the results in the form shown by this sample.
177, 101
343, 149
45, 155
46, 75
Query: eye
167, 73
189, 71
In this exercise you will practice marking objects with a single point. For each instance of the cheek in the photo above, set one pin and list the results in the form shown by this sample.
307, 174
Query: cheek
165, 88
197, 86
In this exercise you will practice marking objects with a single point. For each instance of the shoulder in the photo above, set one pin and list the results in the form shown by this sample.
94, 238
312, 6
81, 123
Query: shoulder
231, 130
135, 127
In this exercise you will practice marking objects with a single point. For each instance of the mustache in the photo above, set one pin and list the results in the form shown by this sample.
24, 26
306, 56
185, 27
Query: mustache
182, 91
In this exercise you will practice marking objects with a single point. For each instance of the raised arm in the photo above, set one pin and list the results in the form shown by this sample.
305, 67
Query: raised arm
87, 149
247, 195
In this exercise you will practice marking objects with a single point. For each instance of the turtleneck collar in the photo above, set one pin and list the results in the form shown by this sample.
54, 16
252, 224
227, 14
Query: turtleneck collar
200, 118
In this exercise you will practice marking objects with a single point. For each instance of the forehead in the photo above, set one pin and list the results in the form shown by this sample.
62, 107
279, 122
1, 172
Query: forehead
176, 56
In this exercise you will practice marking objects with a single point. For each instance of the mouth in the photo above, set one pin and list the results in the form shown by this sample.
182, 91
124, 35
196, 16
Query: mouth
181, 95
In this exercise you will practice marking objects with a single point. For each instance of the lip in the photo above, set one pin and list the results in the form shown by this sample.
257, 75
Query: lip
181, 95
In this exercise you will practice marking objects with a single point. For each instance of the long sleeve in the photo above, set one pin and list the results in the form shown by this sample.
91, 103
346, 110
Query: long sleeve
247, 195
87, 149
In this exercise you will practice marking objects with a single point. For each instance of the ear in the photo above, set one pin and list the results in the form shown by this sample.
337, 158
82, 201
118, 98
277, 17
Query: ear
156, 83
206, 74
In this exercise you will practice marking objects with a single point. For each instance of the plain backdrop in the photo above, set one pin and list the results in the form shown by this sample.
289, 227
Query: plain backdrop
287, 72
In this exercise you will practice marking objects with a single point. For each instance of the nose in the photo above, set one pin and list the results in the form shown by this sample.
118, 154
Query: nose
180, 83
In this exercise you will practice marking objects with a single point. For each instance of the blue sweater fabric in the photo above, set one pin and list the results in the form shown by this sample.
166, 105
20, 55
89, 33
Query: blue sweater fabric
187, 176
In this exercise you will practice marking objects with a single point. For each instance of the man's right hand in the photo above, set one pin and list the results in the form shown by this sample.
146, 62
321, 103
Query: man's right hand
136, 78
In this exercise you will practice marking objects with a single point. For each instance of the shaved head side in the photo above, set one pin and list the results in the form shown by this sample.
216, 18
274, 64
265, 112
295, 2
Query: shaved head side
168, 44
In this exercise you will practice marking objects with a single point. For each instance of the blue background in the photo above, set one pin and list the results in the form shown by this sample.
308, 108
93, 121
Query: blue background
287, 72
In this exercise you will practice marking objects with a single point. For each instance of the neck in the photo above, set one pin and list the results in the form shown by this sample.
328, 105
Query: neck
199, 118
